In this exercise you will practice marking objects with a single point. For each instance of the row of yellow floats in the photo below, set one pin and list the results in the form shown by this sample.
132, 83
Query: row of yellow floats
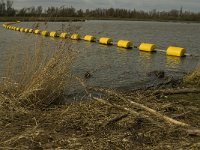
147, 47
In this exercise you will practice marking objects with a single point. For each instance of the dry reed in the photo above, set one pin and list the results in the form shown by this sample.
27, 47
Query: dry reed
38, 79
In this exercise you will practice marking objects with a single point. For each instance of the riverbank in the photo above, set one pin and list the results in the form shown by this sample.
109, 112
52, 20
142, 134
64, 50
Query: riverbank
42, 19
113, 120
82, 19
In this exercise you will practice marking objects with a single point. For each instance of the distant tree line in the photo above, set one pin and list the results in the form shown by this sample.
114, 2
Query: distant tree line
6, 9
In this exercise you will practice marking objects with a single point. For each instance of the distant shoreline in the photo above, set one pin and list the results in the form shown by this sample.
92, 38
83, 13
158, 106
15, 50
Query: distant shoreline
82, 19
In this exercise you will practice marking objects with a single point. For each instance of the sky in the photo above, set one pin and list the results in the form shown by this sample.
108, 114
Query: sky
191, 5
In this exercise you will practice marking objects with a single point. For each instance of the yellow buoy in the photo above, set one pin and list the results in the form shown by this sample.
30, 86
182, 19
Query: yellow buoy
53, 34
45, 33
75, 37
105, 41
89, 38
176, 51
63, 35
124, 44
30, 30
21, 29
37, 31
26, 30
17, 29
147, 47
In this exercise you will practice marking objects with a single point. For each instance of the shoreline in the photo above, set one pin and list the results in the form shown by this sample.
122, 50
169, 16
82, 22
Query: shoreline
83, 19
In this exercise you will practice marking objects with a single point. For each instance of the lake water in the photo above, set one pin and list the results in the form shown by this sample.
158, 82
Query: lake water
111, 66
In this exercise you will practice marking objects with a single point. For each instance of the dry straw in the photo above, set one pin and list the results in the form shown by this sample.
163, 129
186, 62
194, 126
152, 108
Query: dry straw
36, 79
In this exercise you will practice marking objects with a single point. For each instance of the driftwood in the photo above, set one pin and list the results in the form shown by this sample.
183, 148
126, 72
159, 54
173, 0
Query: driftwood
155, 113
130, 111
190, 130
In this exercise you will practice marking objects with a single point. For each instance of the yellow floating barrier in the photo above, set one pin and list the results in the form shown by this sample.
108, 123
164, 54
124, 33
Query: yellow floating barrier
17, 29
30, 30
45, 33
105, 41
26, 30
37, 31
75, 37
63, 35
147, 47
124, 44
21, 29
53, 34
176, 51
89, 38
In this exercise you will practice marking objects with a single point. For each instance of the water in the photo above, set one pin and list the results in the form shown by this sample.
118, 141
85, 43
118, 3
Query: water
115, 67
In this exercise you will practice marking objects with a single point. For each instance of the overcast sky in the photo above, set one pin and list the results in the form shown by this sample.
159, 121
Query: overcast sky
192, 5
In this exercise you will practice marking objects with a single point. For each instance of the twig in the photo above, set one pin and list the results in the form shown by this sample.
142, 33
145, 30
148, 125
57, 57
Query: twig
116, 119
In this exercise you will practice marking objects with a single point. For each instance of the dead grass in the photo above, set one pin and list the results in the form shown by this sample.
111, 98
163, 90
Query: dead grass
35, 79
89, 125
193, 78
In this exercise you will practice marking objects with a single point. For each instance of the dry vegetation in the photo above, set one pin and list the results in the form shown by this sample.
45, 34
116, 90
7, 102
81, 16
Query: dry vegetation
30, 119
193, 79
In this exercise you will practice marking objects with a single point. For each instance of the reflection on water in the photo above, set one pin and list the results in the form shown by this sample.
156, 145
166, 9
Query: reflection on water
111, 66
123, 50
144, 56
174, 62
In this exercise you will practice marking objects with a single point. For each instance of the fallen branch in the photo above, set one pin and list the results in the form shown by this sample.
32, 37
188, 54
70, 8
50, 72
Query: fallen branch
188, 128
117, 106
114, 120
150, 110
130, 111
